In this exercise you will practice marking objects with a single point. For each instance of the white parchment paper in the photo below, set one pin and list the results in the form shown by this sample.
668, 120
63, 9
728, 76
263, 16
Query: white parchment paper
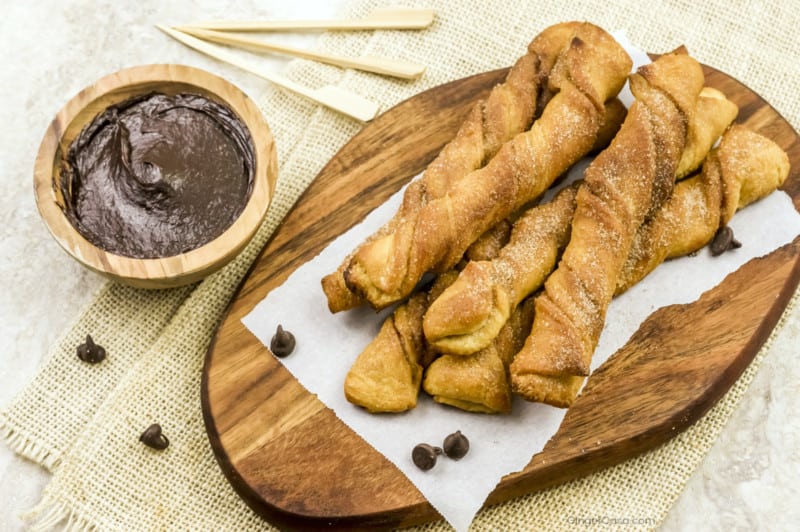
327, 345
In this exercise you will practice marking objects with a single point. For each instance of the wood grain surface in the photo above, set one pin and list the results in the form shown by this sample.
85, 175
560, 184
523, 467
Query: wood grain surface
299, 467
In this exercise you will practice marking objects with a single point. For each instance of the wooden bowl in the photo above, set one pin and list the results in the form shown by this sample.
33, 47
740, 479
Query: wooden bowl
115, 88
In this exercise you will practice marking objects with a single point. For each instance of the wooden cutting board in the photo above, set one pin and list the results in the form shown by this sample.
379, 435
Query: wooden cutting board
298, 466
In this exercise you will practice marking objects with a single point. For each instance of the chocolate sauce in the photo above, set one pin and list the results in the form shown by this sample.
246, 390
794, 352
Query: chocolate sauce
158, 175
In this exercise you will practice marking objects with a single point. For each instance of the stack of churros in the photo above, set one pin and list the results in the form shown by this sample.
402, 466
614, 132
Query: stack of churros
521, 286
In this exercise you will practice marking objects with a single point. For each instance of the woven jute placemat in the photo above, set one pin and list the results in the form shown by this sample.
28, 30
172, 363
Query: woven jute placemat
83, 422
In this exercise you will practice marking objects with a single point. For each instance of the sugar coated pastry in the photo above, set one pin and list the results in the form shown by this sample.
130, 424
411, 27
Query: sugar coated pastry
587, 74
480, 382
622, 187
745, 167
509, 109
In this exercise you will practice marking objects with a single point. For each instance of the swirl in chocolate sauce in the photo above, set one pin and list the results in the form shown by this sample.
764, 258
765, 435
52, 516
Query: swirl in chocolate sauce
158, 175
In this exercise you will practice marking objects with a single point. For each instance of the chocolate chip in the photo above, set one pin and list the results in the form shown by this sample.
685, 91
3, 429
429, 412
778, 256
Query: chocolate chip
424, 456
723, 241
154, 438
456, 445
90, 352
282, 344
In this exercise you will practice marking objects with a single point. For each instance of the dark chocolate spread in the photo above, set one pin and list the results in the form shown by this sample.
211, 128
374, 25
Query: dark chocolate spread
158, 175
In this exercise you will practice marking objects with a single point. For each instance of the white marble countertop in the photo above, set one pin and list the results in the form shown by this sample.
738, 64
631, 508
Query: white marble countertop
750, 479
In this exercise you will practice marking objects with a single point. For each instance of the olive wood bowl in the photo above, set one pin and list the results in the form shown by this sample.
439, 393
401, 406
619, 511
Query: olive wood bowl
162, 272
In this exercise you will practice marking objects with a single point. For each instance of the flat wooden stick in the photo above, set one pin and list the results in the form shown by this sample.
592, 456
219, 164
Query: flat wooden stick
379, 19
340, 100
378, 65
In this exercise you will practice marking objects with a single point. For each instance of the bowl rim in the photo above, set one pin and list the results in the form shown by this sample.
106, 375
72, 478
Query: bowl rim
161, 272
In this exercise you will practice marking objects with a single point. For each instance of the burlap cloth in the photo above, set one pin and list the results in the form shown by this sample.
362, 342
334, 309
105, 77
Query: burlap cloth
82, 422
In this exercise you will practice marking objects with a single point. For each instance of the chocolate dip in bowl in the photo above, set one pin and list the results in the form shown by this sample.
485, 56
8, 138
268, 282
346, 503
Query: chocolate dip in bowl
156, 176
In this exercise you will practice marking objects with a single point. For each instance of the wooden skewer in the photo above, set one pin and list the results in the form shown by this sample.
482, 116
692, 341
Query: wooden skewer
383, 19
340, 100
378, 65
